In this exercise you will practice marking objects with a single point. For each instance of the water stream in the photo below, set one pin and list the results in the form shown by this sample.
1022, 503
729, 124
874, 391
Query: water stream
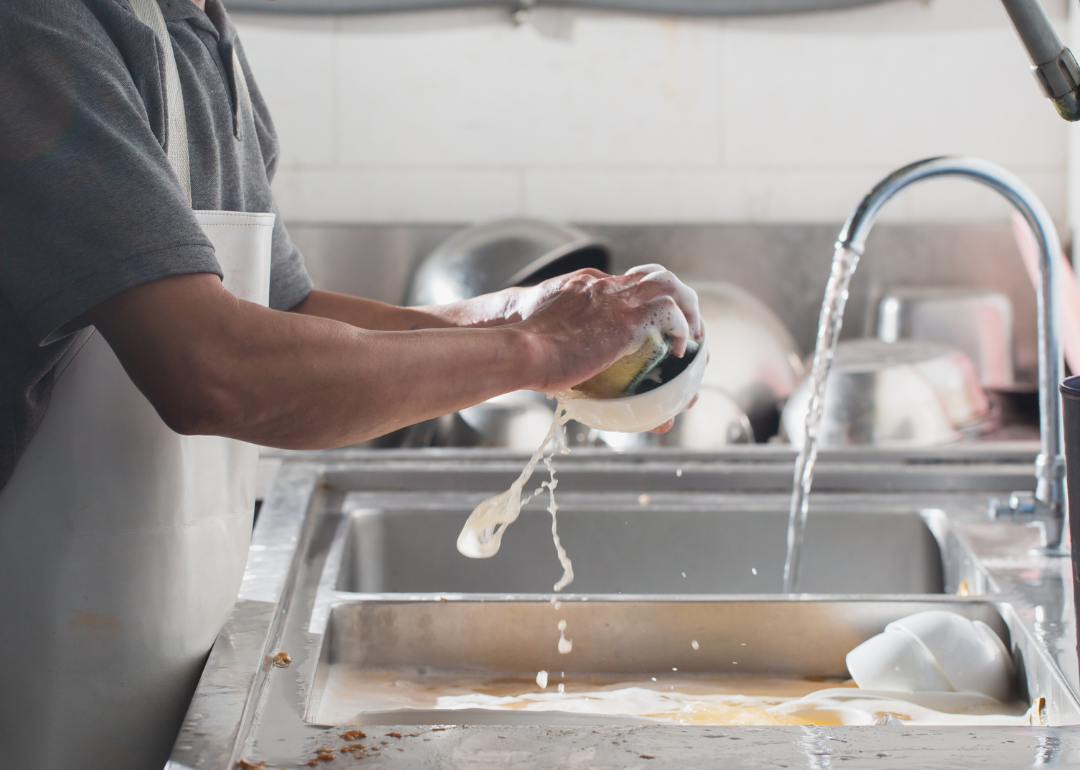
829, 324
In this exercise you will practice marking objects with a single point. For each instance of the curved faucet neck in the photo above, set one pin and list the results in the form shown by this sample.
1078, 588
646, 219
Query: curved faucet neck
1048, 506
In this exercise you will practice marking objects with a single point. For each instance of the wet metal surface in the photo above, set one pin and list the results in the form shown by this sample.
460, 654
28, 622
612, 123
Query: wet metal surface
620, 546
247, 708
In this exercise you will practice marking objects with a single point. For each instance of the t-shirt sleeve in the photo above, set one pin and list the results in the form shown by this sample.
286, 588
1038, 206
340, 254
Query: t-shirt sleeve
89, 205
289, 280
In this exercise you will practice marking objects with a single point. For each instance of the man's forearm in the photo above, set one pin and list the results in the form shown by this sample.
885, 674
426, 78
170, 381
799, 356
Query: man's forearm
491, 310
296, 381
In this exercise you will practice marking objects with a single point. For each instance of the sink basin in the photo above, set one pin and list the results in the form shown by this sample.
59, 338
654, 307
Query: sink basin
638, 550
623, 640
353, 571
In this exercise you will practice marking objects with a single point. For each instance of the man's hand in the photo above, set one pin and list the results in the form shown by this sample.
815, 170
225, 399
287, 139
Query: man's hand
587, 320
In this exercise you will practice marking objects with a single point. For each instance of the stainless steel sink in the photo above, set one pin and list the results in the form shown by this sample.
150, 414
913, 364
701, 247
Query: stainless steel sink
353, 566
638, 550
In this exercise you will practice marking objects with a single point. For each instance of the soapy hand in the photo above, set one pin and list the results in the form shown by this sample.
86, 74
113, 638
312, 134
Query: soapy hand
583, 322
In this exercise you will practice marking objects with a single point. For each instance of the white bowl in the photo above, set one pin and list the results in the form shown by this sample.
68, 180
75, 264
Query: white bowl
934, 651
971, 655
645, 411
714, 423
895, 661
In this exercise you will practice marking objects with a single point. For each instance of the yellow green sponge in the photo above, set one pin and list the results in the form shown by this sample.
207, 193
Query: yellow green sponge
623, 376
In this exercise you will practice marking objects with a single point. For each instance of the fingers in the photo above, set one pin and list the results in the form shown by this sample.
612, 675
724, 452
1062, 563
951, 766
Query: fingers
592, 272
646, 269
665, 427
586, 275
684, 296
664, 314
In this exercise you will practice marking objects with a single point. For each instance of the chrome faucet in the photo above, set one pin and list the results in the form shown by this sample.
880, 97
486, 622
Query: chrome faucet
1045, 508
1052, 64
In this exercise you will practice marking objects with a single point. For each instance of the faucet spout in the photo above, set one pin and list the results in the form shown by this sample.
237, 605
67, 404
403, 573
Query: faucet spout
1047, 507
1052, 64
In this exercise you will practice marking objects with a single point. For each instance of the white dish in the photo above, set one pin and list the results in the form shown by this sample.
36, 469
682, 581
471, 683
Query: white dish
715, 423
645, 411
894, 661
934, 651
971, 655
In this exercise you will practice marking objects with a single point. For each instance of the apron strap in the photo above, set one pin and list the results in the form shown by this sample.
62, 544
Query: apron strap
176, 139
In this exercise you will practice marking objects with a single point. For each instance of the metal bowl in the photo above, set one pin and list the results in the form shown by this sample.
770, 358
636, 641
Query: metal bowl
497, 255
977, 322
755, 360
518, 420
894, 395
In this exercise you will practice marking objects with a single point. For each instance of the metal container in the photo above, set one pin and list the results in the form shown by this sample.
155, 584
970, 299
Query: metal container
904, 394
754, 358
977, 322
497, 255
517, 420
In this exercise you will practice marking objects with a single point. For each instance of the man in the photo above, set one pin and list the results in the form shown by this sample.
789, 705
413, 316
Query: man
96, 228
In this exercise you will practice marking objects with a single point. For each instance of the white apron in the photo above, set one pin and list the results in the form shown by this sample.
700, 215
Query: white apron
122, 543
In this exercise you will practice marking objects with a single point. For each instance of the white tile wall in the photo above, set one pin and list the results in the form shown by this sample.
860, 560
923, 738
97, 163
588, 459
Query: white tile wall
456, 116
295, 65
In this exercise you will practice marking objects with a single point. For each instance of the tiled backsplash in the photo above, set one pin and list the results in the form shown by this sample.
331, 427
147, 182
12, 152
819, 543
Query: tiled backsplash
590, 116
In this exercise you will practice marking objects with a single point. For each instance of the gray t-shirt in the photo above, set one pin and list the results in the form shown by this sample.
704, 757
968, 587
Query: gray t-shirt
89, 205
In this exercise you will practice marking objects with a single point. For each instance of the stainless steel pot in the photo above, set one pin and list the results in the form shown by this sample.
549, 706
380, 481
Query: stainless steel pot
518, 420
903, 394
753, 357
497, 255
977, 322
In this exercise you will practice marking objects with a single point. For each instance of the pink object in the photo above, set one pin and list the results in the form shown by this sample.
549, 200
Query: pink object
1069, 290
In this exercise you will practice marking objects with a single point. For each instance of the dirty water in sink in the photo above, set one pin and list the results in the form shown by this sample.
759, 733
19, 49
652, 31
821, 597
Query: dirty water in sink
729, 699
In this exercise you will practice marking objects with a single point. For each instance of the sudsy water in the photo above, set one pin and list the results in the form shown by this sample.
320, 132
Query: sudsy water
481, 536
